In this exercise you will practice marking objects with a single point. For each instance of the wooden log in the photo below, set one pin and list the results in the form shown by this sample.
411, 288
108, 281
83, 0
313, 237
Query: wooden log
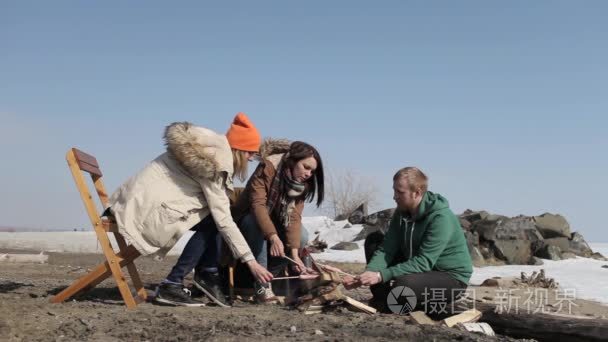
419, 317
544, 326
24, 258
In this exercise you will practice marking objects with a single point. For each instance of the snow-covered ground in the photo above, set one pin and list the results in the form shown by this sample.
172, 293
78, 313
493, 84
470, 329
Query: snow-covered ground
586, 276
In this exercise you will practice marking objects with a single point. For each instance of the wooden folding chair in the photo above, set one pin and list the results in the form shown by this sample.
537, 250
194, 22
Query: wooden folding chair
80, 162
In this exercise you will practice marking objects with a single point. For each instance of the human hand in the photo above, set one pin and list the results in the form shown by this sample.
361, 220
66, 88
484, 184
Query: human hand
276, 246
298, 266
350, 282
259, 272
370, 278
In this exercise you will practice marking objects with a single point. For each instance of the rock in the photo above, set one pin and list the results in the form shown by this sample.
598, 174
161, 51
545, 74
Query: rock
477, 257
465, 224
472, 238
293, 329
494, 217
485, 252
536, 261
367, 231
514, 252
345, 246
474, 216
568, 255
375, 222
380, 218
579, 246
358, 215
604, 266
503, 228
318, 332
506, 282
472, 244
561, 242
550, 225
348, 225
598, 256
550, 252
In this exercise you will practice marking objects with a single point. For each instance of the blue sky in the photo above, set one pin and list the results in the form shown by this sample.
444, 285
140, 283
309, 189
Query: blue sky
503, 104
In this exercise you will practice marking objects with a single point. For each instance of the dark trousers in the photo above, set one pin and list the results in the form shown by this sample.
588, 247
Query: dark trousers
200, 253
432, 292
259, 246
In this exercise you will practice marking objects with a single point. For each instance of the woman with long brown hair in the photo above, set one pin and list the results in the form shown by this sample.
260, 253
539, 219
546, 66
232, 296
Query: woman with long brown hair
269, 211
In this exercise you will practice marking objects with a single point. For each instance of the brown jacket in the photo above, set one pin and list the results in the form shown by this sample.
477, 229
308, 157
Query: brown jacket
255, 196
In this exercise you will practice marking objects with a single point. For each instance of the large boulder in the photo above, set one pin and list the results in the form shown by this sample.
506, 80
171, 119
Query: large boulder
513, 251
598, 256
550, 252
474, 251
579, 246
551, 225
561, 242
358, 215
535, 261
557, 248
504, 228
465, 224
473, 216
568, 255
376, 222
380, 218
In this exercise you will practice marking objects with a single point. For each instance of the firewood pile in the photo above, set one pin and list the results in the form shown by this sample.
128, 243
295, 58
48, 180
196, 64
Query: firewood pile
323, 293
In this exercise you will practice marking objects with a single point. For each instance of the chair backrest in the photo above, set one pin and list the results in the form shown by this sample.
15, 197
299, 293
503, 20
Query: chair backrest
80, 162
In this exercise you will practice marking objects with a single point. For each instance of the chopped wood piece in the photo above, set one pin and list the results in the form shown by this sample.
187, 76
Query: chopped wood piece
360, 306
468, 316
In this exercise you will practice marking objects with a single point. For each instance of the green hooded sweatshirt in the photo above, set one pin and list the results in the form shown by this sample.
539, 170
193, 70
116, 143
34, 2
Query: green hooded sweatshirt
431, 241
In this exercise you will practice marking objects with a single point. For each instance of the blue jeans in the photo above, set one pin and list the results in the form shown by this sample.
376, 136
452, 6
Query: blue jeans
202, 251
259, 246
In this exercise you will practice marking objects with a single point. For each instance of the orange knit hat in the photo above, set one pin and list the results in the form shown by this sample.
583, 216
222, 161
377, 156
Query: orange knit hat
242, 134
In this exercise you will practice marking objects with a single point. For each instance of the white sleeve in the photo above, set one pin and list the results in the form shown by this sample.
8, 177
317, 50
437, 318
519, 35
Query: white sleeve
219, 206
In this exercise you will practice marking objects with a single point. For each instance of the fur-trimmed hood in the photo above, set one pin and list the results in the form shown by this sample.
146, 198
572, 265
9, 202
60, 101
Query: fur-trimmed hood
201, 151
272, 146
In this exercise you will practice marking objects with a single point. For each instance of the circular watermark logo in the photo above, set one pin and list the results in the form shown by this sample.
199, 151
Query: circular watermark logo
401, 300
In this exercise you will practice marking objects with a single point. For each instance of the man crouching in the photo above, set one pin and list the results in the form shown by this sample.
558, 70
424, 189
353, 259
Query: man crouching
423, 263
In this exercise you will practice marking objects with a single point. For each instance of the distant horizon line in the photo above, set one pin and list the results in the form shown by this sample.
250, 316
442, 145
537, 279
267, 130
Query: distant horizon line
61, 230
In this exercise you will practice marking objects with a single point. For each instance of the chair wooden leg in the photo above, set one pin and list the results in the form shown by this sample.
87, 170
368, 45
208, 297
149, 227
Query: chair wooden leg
137, 283
99, 274
231, 281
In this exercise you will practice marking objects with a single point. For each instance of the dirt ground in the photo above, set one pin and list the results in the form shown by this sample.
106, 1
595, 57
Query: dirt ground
99, 315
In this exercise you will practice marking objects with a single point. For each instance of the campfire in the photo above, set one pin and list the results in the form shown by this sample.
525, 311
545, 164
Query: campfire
319, 290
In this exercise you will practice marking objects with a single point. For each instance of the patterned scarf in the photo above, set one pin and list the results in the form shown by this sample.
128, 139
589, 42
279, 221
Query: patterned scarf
284, 190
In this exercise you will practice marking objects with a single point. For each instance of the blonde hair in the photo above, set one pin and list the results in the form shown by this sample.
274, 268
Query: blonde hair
416, 179
240, 162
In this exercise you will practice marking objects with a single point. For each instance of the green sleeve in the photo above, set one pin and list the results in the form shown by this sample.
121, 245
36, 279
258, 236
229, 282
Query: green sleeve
434, 241
385, 255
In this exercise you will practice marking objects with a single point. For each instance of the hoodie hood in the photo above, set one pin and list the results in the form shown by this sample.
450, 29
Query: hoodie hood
272, 146
200, 151
431, 202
